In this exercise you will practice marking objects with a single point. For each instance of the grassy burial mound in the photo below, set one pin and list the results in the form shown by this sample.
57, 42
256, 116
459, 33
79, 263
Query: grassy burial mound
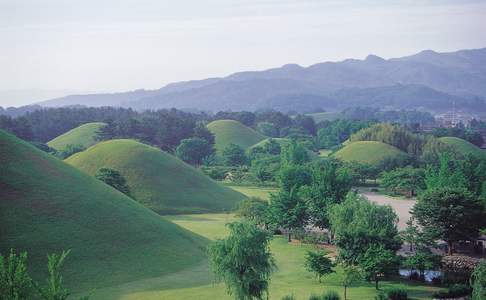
83, 135
233, 132
370, 152
157, 179
47, 205
462, 146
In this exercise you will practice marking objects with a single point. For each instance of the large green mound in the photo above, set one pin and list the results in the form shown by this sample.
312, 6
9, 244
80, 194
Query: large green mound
83, 135
157, 179
47, 205
462, 146
370, 152
282, 142
233, 132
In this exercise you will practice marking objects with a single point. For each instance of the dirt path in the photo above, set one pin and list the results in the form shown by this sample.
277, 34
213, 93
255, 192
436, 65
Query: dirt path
402, 207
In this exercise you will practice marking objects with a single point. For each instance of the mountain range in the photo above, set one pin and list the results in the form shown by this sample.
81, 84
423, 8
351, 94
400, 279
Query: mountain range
427, 80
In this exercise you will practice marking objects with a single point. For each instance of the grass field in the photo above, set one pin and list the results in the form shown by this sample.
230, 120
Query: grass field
370, 152
462, 146
324, 152
157, 179
47, 205
233, 132
290, 277
254, 191
83, 135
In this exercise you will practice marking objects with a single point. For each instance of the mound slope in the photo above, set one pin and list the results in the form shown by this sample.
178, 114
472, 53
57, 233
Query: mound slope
83, 135
157, 179
47, 205
233, 132
462, 146
370, 152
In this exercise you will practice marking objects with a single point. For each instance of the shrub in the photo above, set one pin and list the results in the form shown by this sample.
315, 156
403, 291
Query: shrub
288, 297
314, 297
454, 291
15, 282
397, 294
331, 295
380, 295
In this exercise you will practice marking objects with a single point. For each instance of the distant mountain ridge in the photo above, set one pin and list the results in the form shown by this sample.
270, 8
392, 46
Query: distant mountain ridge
427, 80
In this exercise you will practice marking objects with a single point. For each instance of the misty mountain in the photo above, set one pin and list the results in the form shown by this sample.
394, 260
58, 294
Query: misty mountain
427, 80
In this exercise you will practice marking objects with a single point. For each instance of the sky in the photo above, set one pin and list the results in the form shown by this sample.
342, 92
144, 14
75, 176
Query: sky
51, 48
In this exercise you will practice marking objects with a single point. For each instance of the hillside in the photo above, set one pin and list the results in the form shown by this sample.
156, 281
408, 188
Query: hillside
83, 135
157, 179
229, 132
427, 79
281, 141
462, 146
47, 205
370, 152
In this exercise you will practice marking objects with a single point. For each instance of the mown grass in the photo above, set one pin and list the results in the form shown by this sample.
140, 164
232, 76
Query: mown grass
157, 179
463, 147
291, 277
47, 205
254, 191
83, 135
233, 132
370, 152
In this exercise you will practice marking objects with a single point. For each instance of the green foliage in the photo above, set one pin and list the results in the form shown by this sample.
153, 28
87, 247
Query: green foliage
293, 177
359, 224
460, 132
397, 294
442, 213
54, 289
351, 275
331, 295
405, 181
423, 259
378, 262
255, 210
288, 210
265, 167
362, 171
84, 135
288, 297
15, 282
448, 174
202, 132
69, 150
114, 179
268, 129
157, 179
478, 281
329, 184
194, 150
234, 155
456, 291
306, 123
294, 154
333, 133
319, 264
243, 261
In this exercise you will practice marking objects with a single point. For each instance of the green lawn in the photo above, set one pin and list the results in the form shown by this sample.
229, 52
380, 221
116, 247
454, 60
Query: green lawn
83, 135
324, 152
254, 191
290, 278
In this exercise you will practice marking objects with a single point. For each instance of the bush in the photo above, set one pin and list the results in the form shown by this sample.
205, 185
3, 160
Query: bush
331, 295
288, 297
314, 297
454, 291
397, 294
380, 295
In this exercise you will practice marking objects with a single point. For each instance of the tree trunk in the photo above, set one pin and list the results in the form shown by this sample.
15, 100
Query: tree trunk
290, 237
376, 283
449, 247
345, 292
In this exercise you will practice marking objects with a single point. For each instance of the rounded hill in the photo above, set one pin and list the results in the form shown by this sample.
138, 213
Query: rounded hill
228, 132
462, 146
47, 205
370, 152
83, 135
157, 179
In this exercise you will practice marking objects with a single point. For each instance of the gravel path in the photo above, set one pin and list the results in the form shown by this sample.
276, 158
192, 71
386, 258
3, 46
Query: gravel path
402, 207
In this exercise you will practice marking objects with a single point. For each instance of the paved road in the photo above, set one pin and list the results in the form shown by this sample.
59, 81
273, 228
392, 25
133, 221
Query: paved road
401, 207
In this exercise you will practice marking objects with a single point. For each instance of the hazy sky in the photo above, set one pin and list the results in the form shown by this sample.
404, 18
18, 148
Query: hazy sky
115, 45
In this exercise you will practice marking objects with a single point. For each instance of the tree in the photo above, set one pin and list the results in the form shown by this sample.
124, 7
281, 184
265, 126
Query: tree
329, 185
319, 264
478, 281
450, 214
294, 154
351, 274
15, 282
288, 210
305, 122
254, 209
423, 259
70, 149
404, 181
265, 167
113, 178
54, 289
447, 174
268, 129
234, 155
378, 262
358, 224
243, 261
202, 132
293, 177
194, 150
